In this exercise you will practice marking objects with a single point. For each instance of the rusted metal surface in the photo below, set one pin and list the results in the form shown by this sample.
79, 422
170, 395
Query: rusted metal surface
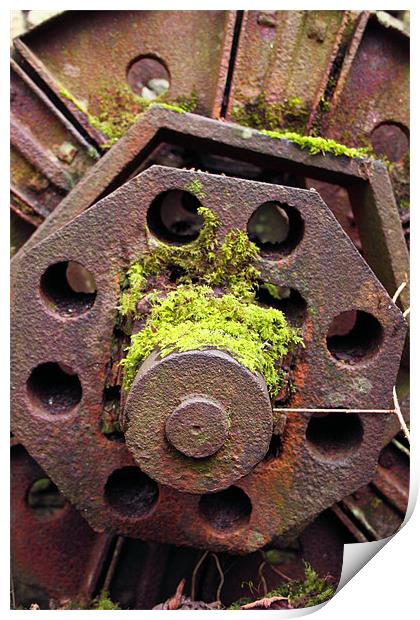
286, 55
83, 53
140, 575
377, 510
202, 416
148, 573
372, 512
373, 86
55, 554
337, 198
370, 101
366, 181
314, 468
357, 92
48, 155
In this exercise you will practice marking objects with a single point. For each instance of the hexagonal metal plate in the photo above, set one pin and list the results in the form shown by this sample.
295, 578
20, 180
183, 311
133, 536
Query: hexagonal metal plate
286, 491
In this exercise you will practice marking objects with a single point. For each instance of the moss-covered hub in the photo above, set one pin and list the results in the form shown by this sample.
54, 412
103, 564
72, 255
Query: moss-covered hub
201, 296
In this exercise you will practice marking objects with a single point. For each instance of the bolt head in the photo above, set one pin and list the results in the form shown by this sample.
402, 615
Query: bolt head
198, 427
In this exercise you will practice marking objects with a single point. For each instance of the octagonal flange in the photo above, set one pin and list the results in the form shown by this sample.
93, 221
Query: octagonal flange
282, 492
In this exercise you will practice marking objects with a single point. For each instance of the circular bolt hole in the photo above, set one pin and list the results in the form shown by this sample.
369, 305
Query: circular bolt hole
130, 492
284, 298
386, 458
275, 227
335, 435
173, 216
354, 336
68, 288
44, 497
226, 510
54, 388
391, 140
148, 77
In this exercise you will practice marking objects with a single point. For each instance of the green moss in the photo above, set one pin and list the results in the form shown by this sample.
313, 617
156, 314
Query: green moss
278, 120
119, 108
67, 95
324, 104
316, 145
193, 317
272, 290
210, 304
103, 601
313, 590
260, 114
196, 188
110, 427
188, 104
92, 152
167, 106
238, 604
230, 265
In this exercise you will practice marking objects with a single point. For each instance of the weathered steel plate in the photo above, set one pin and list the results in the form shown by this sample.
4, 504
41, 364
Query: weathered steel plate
83, 53
54, 555
286, 56
48, 155
313, 470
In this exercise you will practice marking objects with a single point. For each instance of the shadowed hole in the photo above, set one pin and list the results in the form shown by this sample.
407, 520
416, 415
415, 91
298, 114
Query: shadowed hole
173, 216
391, 140
68, 288
353, 336
148, 77
275, 227
54, 388
110, 425
334, 435
275, 448
226, 510
284, 298
130, 492
44, 497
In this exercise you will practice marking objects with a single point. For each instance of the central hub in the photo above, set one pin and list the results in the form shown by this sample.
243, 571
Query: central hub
198, 427
197, 421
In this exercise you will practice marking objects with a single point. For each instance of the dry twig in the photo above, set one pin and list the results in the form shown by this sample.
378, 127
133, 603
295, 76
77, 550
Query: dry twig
398, 413
264, 602
399, 291
222, 579
260, 573
194, 575
115, 556
175, 601
330, 410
